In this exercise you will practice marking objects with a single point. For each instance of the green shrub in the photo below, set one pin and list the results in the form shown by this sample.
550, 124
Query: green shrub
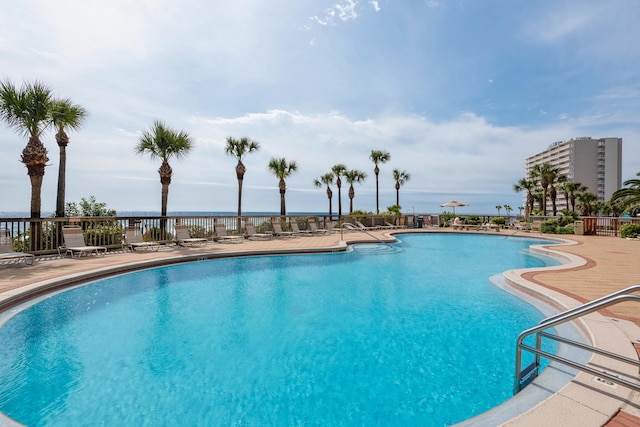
631, 231
499, 220
473, 220
153, 235
103, 235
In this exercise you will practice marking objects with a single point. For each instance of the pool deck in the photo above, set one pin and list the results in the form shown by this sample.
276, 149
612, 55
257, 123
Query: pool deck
597, 266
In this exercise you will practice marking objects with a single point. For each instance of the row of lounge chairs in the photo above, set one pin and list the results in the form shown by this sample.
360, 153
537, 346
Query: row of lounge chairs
76, 246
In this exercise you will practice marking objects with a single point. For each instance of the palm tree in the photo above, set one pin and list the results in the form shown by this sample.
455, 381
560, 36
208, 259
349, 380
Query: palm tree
528, 185
239, 148
587, 201
326, 179
339, 170
282, 169
28, 111
508, 209
520, 208
64, 115
628, 198
570, 190
544, 173
163, 143
401, 178
555, 177
353, 176
498, 207
378, 156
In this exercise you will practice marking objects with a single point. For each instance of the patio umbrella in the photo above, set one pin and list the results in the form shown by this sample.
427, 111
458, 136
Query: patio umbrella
453, 204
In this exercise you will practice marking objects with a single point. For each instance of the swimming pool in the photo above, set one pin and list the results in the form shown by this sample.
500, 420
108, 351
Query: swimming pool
376, 336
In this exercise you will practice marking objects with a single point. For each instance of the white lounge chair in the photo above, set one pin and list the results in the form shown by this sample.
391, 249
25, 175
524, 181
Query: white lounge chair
296, 229
183, 238
74, 243
314, 227
223, 237
6, 250
250, 230
133, 240
392, 226
361, 226
277, 230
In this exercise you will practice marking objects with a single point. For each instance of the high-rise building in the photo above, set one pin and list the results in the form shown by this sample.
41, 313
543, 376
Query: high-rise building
595, 163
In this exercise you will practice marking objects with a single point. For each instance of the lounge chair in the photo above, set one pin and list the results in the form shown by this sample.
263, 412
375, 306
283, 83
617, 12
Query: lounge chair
133, 240
314, 227
251, 233
183, 238
361, 226
74, 243
457, 224
277, 230
223, 237
296, 230
6, 250
391, 226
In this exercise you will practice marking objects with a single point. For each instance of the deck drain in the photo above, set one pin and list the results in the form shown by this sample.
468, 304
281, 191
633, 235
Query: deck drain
605, 382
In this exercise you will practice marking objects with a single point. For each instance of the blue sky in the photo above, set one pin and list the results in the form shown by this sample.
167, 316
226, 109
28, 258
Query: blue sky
458, 92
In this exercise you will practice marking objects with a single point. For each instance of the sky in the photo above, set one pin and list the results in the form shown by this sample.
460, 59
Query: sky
458, 92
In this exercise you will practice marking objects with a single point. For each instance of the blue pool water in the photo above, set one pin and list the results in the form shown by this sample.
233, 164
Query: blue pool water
415, 335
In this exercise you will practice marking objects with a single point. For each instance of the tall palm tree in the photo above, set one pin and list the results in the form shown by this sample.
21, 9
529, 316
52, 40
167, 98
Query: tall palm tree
528, 185
326, 179
239, 148
570, 190
353, 176
339, 170
378, 156
28, 111
282, 169
628, 198
401, 178
164, 143
498, 207
543, 173
555, 177
508, 209
64, 115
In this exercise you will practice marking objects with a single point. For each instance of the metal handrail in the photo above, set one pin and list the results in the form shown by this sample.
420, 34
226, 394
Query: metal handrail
524, 377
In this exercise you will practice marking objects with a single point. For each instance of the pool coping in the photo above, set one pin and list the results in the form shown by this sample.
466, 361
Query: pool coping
574, 400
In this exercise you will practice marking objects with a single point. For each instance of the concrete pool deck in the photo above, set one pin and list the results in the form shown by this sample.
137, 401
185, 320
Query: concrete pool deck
597, 266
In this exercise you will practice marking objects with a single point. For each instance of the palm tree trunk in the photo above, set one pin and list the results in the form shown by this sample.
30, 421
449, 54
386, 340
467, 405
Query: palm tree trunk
283, 190
377, 172
62, 167
36, 201
397, 194
34, 156
240, 180
339, 184
329, 196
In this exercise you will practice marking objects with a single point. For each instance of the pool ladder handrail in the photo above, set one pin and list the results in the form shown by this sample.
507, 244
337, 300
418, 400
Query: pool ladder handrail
352, 227
525, 376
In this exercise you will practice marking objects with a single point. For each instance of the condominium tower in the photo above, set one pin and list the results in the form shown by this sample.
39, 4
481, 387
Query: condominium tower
595, 163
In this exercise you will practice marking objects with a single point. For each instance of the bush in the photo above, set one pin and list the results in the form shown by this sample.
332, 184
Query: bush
473, 220
556, 226
499, 220
103, 235
631, 231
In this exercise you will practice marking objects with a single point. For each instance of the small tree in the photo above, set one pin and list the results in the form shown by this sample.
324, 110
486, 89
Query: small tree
400, 177
353, 176
282, 169
378, 156
326, 179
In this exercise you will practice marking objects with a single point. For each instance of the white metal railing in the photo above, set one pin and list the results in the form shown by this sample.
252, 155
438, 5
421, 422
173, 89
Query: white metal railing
525, 376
